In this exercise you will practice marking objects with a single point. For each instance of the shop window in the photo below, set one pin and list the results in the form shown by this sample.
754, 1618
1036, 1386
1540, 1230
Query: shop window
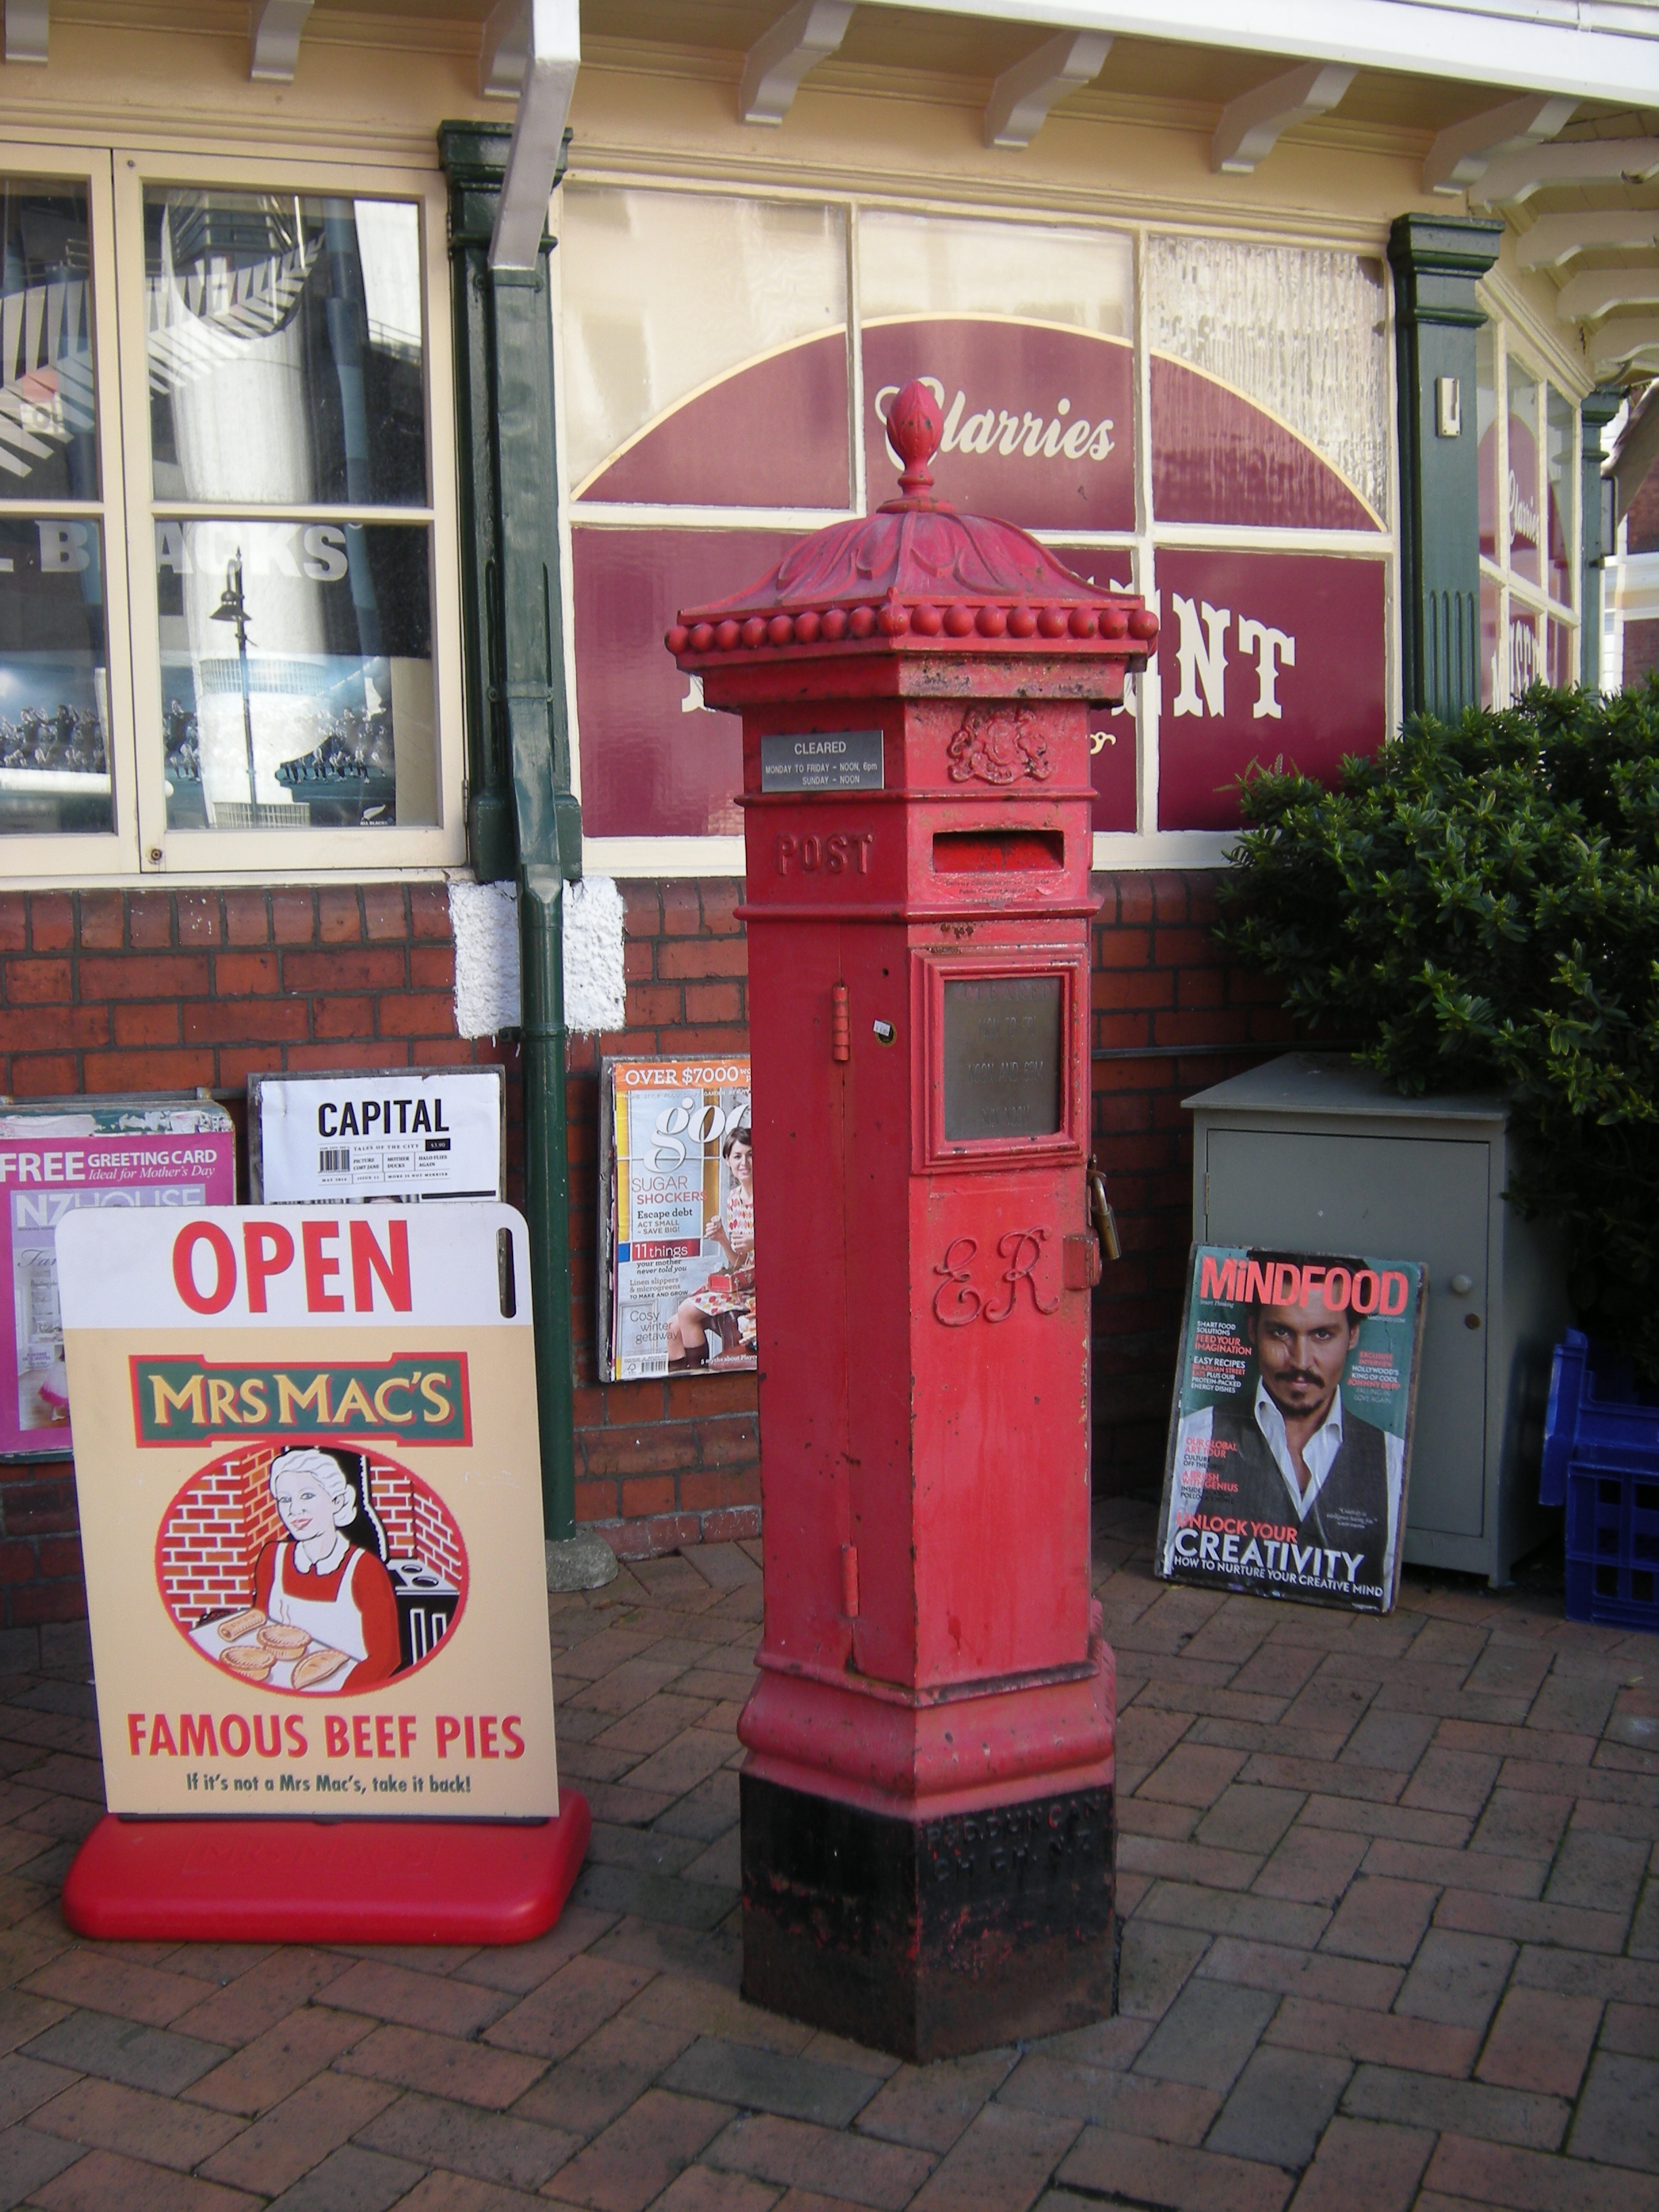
1529, 523
287, 369
1248, 497
55, 770
664, 295
54, 678
1028, 337
1302, 333
1559, 478
1485, 378
228, 617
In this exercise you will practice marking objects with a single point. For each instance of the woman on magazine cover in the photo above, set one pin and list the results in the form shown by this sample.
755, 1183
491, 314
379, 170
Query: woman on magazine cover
727, 1315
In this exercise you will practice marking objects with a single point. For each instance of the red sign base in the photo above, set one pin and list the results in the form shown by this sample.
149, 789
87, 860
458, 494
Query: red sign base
326, 1882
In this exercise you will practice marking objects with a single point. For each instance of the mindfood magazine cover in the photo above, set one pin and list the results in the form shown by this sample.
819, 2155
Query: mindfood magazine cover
1291, 1433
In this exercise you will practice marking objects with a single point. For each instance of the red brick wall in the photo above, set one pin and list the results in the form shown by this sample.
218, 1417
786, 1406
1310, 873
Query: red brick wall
162, 990
102, 991
40, 1572
1642, 638
1641, 652
434, 1540
681, 1458
1643, 533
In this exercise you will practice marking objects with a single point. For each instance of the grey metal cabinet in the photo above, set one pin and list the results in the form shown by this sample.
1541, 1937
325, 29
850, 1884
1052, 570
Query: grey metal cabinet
1315, 1152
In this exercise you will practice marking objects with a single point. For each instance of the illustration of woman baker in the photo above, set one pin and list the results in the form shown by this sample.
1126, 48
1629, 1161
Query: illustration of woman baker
324, 1576
727, 1315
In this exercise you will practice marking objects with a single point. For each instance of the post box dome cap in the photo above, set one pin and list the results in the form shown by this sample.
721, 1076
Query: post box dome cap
918, 576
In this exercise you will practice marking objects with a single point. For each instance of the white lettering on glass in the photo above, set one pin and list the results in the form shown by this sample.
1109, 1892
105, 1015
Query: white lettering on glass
1201, 656
1526, 522
1526, 661
170, 549
316, 550
326, 553
994, 429
64, 547
1272, 648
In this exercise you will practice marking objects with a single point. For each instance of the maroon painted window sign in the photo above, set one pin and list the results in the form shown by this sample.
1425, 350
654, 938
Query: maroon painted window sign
1268, 658
1272, 651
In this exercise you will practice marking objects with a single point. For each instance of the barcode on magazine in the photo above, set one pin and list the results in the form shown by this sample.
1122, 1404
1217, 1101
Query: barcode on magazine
334, 1162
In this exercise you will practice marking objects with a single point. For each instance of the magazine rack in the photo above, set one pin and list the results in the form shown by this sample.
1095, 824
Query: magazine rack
928, 1798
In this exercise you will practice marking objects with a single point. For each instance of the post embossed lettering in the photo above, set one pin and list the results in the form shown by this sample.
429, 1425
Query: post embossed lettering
833, 853
1021, 1248
954, 1268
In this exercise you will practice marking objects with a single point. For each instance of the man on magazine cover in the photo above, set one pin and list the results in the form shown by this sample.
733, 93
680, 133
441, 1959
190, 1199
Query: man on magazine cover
1290, 1453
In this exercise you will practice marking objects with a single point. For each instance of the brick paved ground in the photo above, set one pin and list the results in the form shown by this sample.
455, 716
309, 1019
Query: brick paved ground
1393, 1942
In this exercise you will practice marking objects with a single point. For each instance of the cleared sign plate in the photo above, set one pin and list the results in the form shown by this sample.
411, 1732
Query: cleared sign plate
822, 760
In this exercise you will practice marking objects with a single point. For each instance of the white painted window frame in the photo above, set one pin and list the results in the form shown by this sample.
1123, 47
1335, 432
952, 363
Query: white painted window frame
1515, 341
90, 857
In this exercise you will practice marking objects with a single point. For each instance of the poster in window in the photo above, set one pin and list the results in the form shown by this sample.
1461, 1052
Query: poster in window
86, 1155
676, 1185
1291, 1433
310, 1487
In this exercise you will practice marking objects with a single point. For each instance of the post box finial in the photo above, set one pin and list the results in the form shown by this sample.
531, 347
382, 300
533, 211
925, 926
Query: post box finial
915, 428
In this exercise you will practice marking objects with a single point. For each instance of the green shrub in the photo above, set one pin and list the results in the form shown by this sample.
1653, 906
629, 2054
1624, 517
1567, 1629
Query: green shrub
1477, 907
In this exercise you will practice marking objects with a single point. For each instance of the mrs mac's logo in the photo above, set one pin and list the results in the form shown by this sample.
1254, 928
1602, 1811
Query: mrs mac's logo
420, 1396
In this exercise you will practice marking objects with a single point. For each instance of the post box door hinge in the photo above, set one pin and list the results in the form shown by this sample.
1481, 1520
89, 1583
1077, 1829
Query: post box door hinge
849, 1581
1080, 1261
841, 1041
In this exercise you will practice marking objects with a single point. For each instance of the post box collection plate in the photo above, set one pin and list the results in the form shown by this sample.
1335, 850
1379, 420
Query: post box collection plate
928, 1797
1004, 1036
822, 760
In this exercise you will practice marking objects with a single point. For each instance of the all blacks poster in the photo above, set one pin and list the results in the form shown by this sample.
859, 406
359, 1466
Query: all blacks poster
306, 1449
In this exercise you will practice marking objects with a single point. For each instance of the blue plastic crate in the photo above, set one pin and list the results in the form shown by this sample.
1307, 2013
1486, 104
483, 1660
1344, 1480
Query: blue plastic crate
1597, 1412
1612, 1546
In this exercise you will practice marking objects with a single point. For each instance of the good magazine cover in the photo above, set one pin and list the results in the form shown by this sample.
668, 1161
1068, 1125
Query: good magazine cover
1291, 1433
677, 1228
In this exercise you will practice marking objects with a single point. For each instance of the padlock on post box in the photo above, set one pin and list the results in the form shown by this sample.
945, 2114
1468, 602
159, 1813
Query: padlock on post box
927, 1797
1101, 1213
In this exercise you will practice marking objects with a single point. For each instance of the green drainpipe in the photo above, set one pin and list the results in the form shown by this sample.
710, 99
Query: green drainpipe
523, 820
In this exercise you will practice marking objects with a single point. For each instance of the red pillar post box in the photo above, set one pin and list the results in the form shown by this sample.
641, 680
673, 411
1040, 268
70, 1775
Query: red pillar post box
927, 1807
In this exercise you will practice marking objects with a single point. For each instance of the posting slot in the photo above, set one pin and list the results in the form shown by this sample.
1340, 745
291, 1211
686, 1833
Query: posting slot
994, 852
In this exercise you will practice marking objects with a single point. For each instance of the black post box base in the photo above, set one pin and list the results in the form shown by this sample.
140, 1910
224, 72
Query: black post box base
928, 1939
